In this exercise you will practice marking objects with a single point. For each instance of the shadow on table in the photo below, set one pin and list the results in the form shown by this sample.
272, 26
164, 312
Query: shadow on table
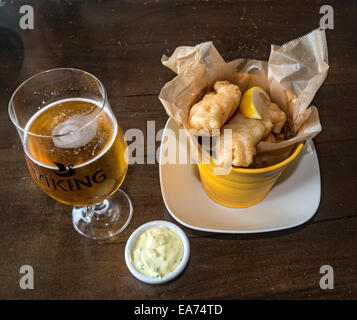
11, 56
247, 236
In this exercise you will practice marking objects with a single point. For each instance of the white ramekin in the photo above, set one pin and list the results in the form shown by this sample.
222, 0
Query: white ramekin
132, 240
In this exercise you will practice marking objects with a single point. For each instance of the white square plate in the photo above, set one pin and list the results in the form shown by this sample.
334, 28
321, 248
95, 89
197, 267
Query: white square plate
292, 201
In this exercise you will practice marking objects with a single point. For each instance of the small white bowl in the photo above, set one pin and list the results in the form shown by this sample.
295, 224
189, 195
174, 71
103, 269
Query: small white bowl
132, 240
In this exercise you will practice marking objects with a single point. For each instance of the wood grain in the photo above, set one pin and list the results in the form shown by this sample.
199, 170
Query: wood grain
122, 42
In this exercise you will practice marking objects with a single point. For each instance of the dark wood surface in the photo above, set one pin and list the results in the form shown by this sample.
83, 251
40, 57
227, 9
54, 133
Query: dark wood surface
121, 42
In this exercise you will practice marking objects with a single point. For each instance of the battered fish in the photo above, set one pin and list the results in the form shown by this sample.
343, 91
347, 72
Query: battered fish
215, 108
246, 133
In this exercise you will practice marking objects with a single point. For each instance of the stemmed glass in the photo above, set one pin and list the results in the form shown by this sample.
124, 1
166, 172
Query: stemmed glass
74, 148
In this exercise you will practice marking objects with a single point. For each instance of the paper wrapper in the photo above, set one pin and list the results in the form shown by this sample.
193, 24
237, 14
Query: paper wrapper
292, 76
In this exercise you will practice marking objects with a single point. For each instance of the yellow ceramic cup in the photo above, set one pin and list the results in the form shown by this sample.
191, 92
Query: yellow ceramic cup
242, 187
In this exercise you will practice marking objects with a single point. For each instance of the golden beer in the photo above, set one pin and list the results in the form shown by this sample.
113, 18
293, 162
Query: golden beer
81, 161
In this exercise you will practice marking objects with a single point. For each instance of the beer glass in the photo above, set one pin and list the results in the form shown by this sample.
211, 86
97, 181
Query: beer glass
74, 148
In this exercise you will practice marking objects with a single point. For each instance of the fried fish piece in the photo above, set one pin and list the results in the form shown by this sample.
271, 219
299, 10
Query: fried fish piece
276, 116
215, 108
246, 133
269, 138
279, 137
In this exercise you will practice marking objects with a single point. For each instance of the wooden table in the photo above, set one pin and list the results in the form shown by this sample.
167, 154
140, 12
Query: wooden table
121, 42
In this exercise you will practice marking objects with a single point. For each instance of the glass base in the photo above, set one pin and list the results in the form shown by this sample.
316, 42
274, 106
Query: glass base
104, 220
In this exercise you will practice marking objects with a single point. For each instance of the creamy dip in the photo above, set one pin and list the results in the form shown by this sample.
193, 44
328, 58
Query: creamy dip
157, 252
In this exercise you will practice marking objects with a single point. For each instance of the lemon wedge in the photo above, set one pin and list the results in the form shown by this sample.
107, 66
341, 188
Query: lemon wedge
253, 101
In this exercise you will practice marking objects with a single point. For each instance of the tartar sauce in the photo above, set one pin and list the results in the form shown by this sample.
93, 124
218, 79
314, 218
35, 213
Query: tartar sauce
157, 252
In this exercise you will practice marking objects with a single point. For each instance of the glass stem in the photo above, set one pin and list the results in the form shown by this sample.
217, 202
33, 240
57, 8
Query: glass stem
95, 210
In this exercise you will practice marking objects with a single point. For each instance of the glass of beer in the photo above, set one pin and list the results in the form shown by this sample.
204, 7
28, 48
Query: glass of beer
74, 148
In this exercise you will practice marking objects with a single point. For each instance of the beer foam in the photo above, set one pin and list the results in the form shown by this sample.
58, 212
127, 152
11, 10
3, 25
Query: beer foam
36, 115
68, 137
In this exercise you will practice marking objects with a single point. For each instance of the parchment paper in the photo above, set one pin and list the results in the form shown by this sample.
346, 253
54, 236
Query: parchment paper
292, 76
